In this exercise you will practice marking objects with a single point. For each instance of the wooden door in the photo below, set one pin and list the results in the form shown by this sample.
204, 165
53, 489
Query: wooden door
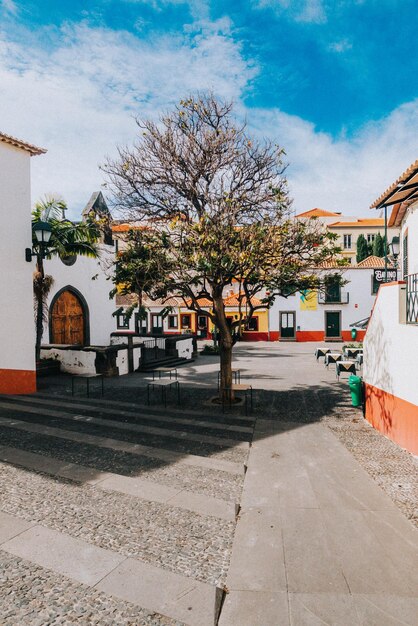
287, 325
68, 321
332, 324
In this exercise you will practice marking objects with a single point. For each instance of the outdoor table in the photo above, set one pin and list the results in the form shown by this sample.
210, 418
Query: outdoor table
351, 353
247, 389
236, 374
321, 352
345, 366
164, 384
161, 370
332, 357
87, 378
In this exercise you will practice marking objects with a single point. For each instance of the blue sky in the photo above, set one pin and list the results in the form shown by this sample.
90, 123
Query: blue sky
334, 82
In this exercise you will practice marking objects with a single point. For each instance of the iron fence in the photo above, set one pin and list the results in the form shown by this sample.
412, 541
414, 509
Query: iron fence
412, 299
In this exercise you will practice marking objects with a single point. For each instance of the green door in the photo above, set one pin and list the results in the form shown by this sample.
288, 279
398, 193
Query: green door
332, 324
287, 325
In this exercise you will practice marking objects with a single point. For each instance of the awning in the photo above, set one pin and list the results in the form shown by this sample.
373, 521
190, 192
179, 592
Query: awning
404, 189
361, 324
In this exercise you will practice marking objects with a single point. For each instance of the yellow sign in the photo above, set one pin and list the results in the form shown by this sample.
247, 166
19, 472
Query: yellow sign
308, 300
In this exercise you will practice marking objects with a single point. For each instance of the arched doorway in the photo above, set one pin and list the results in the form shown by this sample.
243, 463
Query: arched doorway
68, 318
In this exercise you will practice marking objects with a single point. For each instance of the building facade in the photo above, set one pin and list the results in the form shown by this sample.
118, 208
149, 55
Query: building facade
391, 342
17, 327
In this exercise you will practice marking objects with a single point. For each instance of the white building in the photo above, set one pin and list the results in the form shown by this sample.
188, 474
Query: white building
17, 326
391, 342
328, 315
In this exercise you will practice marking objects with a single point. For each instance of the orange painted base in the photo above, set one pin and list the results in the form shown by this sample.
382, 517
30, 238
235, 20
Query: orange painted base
392, 416
17, 381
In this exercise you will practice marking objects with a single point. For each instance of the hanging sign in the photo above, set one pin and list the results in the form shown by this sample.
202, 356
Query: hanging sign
380, 275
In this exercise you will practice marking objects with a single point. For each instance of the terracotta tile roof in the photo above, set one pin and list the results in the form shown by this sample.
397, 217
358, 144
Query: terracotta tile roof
131, 298
360, 223
371, 262
125, 228
232, 301
203, 302
23, 145
374, 262
389, 197
317, 213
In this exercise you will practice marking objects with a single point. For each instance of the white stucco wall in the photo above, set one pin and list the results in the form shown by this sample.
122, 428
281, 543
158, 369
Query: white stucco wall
17, 326
72, 361
88, 276
185, 348
361, 300
391, 346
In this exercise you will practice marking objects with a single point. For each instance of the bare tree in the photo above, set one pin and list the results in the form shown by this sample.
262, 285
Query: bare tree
216, 211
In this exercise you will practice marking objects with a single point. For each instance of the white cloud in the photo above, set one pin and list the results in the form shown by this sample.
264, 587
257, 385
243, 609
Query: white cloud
309, 11
9, 6
78, 99
340, 46
344, 174
198, 8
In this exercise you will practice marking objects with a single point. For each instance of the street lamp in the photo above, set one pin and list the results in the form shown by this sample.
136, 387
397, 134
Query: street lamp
395, 248
43, 232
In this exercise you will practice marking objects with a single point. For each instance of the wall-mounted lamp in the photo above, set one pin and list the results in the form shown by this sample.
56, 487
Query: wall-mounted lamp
395, 249
43, 232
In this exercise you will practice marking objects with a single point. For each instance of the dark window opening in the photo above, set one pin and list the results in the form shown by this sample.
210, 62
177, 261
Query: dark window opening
122, 320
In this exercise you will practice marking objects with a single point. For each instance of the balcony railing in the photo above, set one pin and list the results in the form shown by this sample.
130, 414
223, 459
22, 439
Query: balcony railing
332, 298
412, 299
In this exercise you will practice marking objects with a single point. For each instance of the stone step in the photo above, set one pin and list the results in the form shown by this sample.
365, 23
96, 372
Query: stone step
153, 588
91, 408
154, 410
149, 366
136, 486
124, 446
220, 440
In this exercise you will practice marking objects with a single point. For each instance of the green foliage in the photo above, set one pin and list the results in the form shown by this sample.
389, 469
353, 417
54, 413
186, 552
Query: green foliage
379, 246
362, 249
210, 350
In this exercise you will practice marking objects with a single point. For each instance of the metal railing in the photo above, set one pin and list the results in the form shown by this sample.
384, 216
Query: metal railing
412, 299
325, 298
153, 348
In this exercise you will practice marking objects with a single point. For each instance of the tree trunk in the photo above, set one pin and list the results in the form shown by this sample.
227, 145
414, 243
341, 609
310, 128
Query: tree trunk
225, 349
39, 309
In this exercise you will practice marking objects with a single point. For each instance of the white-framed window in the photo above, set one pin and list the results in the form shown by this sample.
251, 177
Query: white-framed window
173, 321
347, 242
370, 237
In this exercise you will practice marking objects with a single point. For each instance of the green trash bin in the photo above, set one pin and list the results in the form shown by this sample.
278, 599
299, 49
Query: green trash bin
356, 390
353, 333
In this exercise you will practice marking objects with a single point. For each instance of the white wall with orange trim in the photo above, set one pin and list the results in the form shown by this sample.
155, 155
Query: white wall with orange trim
17, 326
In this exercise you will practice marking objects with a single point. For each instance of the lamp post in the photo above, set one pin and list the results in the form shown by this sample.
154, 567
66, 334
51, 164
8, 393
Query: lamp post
395, 249
43, 232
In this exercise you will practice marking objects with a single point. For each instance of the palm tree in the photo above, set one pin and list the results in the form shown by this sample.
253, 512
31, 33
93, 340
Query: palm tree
67, 240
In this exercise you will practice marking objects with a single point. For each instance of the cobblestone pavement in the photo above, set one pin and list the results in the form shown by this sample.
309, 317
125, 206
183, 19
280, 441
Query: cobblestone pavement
33, 596
289, 387
211, 482
193, 545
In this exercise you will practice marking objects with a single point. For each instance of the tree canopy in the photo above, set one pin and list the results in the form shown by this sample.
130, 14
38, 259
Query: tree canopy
212, 209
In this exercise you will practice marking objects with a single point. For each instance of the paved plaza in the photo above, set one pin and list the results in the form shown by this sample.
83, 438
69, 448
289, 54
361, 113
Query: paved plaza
113, 512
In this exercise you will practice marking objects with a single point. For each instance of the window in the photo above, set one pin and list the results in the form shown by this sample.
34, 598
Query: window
186, 321
173, 321
370, 237
122, 321
202, 322
252, 324
141, 325
347, 242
